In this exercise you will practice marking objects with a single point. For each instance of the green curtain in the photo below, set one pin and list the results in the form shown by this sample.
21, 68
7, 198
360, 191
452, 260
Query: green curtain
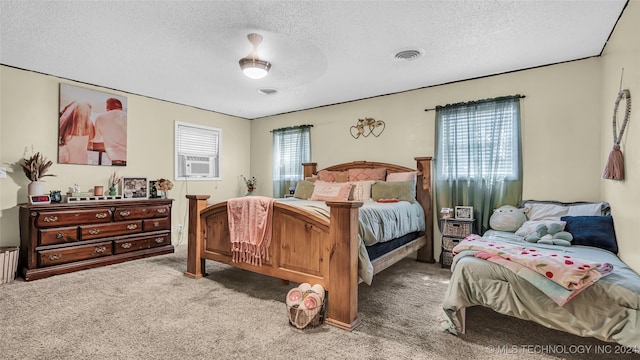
479, 156
291, 148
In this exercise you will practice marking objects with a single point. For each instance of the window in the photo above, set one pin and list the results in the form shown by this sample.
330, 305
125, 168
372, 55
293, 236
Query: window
291, 148
479, 140
478, 156
197, 152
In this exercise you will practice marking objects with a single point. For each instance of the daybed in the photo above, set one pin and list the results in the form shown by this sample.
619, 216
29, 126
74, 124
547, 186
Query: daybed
607, 309
314, 246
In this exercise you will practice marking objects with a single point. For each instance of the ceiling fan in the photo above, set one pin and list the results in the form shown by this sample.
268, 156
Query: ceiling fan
251, 64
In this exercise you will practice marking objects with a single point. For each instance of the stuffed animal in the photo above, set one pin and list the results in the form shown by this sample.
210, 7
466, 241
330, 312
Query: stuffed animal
551, 234
507, 218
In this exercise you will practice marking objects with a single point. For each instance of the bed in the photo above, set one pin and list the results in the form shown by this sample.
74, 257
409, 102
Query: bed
607, 308
317, 247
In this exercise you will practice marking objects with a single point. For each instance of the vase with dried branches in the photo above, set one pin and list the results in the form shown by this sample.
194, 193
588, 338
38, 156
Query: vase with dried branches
35, 167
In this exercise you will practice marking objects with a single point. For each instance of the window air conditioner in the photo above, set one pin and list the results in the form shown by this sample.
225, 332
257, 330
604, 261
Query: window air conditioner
198, 166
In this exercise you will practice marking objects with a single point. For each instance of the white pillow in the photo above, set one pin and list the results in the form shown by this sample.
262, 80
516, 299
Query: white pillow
541, 211
402, 176
529, 227
362, 190
585, 210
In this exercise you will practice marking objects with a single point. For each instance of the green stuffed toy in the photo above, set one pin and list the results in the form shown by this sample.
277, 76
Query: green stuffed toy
550, 234
507, 218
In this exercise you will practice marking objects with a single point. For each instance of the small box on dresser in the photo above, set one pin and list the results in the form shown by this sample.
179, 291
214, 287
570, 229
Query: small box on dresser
453, 230
66, 237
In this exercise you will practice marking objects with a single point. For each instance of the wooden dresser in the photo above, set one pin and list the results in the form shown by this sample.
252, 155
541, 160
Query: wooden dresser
61, 238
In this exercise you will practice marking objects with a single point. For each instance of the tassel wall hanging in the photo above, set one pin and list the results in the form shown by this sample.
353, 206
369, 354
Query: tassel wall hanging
614, 170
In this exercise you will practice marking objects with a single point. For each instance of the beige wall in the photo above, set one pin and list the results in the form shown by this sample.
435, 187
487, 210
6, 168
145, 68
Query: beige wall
560, 127
566, 128
28, 116
623, 51
560, 121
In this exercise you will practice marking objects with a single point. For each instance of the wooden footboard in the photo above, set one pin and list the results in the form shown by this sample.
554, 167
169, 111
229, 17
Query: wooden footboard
307, 247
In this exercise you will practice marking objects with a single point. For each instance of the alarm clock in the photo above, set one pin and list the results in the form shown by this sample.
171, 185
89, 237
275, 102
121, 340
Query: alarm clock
39, 199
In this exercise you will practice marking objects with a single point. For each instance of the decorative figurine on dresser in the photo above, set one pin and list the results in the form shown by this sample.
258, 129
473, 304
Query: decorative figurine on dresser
454, 230
58, 238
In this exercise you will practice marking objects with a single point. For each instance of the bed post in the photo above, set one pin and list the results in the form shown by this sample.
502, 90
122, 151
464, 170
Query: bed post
423, 193
195, 264
309, 169
342, 306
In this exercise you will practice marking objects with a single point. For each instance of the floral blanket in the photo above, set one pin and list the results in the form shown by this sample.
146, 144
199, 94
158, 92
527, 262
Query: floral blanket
567, 271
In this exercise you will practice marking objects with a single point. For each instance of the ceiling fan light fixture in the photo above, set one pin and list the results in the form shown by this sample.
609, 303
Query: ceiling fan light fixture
255, 68
251, 65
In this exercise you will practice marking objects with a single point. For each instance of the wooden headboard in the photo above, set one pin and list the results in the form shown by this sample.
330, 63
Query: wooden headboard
423, 188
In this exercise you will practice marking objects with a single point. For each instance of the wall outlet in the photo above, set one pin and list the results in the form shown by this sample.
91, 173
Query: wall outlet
180, 228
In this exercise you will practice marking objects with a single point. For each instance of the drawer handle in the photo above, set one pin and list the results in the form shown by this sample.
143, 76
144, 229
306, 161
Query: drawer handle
132, 226
49, 219
159, 240
101, 215
125, 213
54, 257
94, 231
156, 224
59, 236
126, 245
100, 249
162, 211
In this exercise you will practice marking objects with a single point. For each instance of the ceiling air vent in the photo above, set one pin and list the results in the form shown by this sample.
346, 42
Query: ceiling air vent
267, 91
408, 55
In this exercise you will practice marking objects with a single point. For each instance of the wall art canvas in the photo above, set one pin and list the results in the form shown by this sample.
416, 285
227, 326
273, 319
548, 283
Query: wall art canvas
92, 127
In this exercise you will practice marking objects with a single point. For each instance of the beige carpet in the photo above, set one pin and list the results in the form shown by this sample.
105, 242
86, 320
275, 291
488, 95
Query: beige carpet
147, 309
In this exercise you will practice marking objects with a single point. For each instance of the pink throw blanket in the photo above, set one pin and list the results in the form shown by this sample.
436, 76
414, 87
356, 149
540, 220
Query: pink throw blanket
250, 228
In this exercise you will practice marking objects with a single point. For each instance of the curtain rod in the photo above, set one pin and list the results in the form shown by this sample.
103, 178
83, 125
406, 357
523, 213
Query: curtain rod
292, 127
470, 102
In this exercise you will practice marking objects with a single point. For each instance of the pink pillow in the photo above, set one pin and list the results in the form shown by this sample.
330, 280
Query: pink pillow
333, 176
327, 191
367, 174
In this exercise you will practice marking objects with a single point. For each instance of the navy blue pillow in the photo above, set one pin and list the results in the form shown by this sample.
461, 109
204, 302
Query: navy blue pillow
596, 231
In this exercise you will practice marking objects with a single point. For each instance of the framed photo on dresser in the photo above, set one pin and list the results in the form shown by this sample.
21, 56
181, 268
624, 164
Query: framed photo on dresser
135, 188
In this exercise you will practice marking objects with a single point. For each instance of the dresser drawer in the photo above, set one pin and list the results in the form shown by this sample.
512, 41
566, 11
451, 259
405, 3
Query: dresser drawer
123, 246
74, 253
73, 217
88, 232
144, 212
58, 236
156, 224
159, 240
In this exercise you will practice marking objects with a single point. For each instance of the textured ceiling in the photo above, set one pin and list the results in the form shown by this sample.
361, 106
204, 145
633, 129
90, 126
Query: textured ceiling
322, 52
